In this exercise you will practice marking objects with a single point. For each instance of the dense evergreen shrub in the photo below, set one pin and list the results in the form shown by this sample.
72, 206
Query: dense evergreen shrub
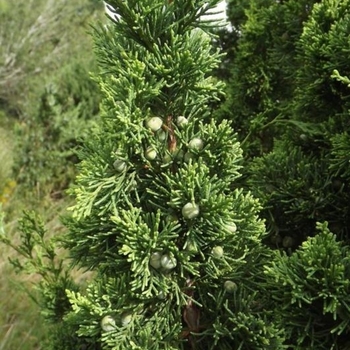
303, 183
261, 68
311, 290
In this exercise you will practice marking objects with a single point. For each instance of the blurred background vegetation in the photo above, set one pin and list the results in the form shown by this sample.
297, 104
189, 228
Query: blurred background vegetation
48, 103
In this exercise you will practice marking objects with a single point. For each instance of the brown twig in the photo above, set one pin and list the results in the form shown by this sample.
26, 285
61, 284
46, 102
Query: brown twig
172, 139
191, 316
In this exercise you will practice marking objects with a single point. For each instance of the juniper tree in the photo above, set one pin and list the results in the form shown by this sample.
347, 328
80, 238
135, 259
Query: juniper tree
296, 116
305, 177
176, 253
260, 72
310, 289
174, 249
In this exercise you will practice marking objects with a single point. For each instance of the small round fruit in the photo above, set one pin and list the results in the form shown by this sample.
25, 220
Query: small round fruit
154, 260
218, 252
196, 144
181, 121
230, 286
108, 324
276, 239
161, 295
168, 263
188, 156
126, 319
288, 242
119, 165
191, 248
162, 135
171, 218
231, 227
154, 123
166, 158
190, 210
179, 154
151, 153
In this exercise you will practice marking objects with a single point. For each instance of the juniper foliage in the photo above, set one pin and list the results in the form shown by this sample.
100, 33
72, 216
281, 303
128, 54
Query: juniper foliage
172, 245
155, 216
311, 182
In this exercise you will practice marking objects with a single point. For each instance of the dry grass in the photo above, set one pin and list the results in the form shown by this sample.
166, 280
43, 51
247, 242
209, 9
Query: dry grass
21, 326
